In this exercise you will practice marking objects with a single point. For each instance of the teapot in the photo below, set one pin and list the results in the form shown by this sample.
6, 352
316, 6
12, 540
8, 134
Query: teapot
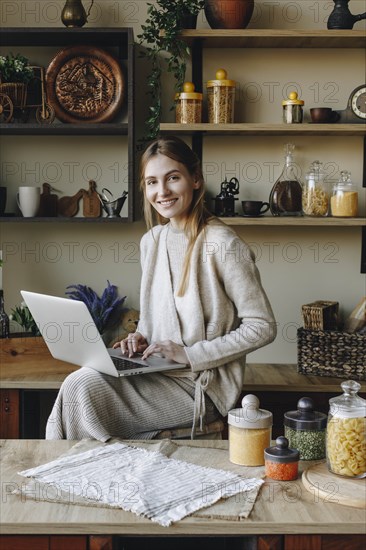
112, 207
341, 17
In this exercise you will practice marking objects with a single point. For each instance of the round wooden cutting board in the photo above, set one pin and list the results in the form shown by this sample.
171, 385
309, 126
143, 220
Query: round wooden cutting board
332, 488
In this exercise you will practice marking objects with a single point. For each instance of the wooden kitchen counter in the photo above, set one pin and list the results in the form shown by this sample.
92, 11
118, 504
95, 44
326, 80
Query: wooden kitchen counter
26, 363
28, 372
287, 512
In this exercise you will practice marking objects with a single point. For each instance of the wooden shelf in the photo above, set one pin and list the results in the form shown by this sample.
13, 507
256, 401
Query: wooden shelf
300, 221
263, 129
59, 219
118, 37
269, 38
80, 129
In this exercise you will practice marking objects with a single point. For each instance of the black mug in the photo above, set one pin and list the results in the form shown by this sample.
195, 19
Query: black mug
254, 208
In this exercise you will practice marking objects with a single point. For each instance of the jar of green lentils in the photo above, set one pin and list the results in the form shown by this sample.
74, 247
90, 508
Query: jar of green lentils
305, 430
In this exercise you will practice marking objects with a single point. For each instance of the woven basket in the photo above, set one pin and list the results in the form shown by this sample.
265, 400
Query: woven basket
320, 315
331, 353
17, 91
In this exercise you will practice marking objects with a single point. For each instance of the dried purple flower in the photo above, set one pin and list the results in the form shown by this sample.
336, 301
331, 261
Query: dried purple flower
103, 309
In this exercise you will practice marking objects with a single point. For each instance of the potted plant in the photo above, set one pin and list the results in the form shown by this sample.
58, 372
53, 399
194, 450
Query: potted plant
15, 73
166, 18
23, 317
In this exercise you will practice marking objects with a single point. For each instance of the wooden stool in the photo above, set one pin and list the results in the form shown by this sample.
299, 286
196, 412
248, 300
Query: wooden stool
210, 431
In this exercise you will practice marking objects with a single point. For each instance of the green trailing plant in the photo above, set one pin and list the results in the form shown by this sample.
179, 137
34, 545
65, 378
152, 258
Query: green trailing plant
22, 316
15, 68
164, 48
104, 309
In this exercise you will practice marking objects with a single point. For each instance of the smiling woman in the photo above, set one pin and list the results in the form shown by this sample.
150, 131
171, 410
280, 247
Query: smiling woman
201, 304
171, 191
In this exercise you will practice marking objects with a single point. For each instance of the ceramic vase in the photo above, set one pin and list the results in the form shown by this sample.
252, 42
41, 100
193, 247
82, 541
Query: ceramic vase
229, 14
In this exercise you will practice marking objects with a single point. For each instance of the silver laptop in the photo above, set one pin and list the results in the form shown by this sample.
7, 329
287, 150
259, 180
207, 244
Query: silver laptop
71, 335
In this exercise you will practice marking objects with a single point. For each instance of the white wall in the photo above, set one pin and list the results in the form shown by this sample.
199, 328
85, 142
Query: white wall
297, 265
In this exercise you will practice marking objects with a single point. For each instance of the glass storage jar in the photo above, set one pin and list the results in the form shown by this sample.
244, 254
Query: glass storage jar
250, 430
281, 462
315, 196
221, 98
305, 430
188, 105
344, 199
346, 432
292, 108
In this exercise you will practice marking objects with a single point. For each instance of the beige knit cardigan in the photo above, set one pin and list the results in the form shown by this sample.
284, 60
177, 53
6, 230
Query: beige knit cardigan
225, 309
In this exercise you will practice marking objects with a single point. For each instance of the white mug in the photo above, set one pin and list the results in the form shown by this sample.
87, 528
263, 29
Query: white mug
28, 199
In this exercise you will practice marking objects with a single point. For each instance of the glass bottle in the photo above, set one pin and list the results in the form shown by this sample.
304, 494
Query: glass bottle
315, 196
344, 199
346, 432
4, 319
286, 195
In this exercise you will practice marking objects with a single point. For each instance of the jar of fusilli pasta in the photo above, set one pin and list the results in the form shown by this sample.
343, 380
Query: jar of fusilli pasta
346, 432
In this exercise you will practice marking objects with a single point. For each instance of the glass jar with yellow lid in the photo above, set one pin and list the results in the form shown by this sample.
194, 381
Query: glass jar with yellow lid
293, 109
221, 98
188, 105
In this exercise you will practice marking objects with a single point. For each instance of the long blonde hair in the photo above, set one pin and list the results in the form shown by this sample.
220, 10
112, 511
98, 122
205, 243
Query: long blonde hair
198, 214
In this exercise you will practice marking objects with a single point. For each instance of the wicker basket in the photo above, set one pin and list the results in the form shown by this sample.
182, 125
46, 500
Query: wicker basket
331, 353
320, 315
17, 91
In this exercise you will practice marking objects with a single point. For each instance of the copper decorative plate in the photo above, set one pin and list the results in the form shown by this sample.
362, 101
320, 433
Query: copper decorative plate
85, 84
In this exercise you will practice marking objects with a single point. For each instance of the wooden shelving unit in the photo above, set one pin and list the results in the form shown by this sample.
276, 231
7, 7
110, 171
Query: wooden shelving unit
199, 39
120, 41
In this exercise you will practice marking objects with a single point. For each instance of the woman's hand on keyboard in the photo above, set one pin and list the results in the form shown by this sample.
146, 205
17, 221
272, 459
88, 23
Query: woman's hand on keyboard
133, 343
167, 349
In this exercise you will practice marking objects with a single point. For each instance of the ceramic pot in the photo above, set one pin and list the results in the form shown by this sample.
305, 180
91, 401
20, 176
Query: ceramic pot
229, 14
188, 20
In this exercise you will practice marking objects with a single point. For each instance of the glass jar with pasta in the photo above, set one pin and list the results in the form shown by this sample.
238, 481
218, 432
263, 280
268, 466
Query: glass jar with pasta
346, 432
315, 195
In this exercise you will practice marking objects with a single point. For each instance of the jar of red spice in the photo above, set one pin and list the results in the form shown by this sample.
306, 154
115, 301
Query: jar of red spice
281, 462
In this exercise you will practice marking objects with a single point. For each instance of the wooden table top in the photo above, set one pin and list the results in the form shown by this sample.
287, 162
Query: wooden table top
281, 507
26, 363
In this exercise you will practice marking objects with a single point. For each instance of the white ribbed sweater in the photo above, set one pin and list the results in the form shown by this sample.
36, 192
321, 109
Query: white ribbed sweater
225, 311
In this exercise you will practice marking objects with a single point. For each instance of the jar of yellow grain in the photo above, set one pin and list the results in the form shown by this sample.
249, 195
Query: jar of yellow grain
188, 105
220, 98
344, 199
250, 430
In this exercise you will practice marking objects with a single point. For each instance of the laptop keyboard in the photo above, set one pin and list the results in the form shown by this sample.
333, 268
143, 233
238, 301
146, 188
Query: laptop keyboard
124, 364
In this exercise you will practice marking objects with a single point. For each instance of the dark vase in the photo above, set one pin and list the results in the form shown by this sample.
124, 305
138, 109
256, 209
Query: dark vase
229, 14
73, 14
188, 20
